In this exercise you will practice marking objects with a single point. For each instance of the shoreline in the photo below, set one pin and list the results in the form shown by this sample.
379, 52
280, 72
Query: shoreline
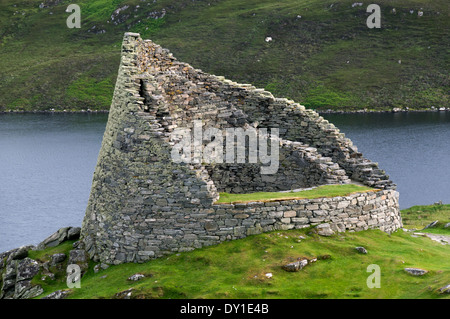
88, 111
395, 110
364, 111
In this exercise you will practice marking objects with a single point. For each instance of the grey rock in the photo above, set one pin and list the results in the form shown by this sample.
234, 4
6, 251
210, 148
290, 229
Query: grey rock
136, 277
54, 239
100, 266
57, 258
80, 258
77, 256
445, 289
8, 283
27, 269
104, 266
416, 271
25, 290
59, 294
126, 294
362, 250
21, 252
324, 230
295, 266
431, 225
447, 225
73, 233
11, 271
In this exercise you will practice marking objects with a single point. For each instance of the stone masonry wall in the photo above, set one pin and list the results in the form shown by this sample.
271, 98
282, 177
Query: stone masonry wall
144, 205
185, 229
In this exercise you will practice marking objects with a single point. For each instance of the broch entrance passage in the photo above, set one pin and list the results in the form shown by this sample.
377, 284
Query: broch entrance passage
144, 205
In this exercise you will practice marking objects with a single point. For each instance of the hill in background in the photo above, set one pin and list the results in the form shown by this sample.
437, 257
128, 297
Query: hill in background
321, 52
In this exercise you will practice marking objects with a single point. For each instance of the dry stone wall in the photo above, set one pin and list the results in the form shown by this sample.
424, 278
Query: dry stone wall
144, 205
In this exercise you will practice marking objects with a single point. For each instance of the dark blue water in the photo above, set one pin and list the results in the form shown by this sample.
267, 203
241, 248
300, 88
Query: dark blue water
413, 148
46, 167
47, 163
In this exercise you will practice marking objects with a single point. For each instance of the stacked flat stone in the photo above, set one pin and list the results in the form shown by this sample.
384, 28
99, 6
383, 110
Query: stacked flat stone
143, 205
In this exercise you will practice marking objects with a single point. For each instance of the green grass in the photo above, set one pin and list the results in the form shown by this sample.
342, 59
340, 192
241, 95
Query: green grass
420, 216
320, 191
43, 64
236, 269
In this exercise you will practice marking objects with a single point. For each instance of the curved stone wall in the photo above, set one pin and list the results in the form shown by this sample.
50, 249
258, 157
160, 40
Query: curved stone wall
144, 205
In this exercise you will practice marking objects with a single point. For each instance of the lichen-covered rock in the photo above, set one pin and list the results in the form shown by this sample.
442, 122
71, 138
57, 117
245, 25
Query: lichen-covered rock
361, 250
324, 230
16, 279
59, 294
22, 252
445, 289
416, 271
80, 258
25, 290
295, 266
57, 258
54, 239
136, 277
27, 269
73, 233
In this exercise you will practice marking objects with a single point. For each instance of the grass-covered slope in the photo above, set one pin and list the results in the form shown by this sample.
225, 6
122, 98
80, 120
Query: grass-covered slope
238, 269
418, 217
321, 54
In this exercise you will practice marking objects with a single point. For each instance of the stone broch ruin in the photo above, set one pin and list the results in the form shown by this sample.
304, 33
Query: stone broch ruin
143, 205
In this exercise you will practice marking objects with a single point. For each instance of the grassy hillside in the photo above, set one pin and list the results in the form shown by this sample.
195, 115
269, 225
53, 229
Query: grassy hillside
418, 217
339, 272
321, 54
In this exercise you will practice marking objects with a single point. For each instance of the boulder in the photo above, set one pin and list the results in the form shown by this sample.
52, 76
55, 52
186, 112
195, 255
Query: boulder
17, 279
77, 256
416, 271
27, 269
126, 294
362, 250
54, 239
445, 290
324, 230
59, 294
295, 266
431, 225
136, 277
25, 290
63, 234
21, 252
80, 258
57, 259
73, 233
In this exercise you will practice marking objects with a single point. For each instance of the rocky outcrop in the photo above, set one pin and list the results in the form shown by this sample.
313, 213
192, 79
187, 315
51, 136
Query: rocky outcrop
63, 234
17, 270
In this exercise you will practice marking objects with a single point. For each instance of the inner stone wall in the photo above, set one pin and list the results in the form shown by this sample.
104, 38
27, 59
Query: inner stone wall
187, 94
144, 205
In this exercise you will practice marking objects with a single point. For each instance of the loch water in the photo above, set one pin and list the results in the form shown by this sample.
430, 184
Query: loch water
48, 160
